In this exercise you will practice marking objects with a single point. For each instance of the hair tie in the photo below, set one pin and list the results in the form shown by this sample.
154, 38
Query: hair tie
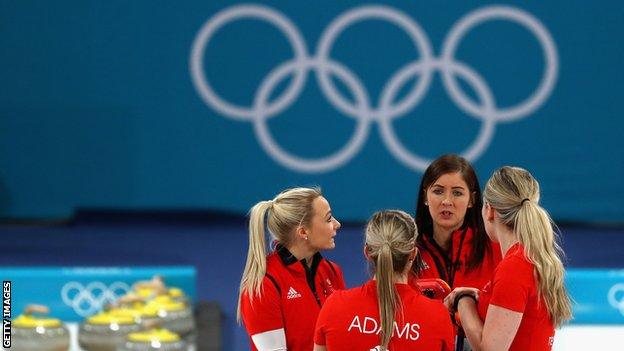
522, 203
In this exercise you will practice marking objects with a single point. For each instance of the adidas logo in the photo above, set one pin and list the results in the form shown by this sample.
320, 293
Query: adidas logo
292, 293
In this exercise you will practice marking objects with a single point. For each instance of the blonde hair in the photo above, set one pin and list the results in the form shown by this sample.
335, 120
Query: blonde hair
514, 194
390, 239
289, 210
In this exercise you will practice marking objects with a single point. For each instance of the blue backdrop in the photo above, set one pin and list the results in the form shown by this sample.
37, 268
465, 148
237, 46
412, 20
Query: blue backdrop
209, 104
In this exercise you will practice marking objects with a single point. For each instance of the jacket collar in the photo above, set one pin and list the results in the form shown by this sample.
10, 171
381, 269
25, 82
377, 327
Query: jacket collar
288, 258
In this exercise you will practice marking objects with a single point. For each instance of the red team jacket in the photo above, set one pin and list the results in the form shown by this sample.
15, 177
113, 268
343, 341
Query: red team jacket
453, 269
292, 296
514, 288
350, 321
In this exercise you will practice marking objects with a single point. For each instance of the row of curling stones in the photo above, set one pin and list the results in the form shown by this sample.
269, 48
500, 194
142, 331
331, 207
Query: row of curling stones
39, 333
149, 303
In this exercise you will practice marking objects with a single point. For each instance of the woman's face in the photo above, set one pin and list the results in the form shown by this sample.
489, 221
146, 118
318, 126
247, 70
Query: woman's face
448, 199
323, 226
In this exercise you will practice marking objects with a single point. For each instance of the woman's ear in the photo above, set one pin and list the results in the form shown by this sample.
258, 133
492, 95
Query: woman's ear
489, 213
366, 252
302, 232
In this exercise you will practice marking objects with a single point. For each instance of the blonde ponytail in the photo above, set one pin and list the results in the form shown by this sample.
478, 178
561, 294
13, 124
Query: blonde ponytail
386, 292
390, 239
514, 194
535, 231
255, 266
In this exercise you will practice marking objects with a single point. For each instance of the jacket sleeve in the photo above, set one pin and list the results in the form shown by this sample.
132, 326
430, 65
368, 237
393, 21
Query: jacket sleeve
262, 313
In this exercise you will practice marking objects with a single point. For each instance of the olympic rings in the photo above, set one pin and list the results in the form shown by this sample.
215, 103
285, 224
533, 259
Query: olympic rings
86, 300
362, 109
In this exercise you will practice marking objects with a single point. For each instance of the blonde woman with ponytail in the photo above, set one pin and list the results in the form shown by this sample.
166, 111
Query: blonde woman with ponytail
385, 313
526, 299
282, 293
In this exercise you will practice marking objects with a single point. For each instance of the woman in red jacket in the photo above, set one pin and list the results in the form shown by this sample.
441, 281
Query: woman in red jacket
385, 313
281, 294
526, 299
453, 244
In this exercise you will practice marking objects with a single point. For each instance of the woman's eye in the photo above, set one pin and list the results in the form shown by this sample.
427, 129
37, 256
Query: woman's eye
458, 193
437, 191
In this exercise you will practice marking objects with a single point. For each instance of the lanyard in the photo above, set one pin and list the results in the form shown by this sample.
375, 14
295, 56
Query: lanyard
447, 269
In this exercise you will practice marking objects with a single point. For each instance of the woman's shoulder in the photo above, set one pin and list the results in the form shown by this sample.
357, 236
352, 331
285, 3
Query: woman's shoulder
514, 263
422, 305
276, 270
273, 262
347, 296
515, 256
515, 266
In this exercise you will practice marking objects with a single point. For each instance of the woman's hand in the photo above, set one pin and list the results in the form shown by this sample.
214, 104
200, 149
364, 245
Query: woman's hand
449, 300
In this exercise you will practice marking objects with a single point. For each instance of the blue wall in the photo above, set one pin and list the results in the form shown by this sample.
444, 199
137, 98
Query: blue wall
99, 107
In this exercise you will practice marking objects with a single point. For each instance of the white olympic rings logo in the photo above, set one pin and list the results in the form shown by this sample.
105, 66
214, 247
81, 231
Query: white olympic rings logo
362, 110
86, 300
616, 297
